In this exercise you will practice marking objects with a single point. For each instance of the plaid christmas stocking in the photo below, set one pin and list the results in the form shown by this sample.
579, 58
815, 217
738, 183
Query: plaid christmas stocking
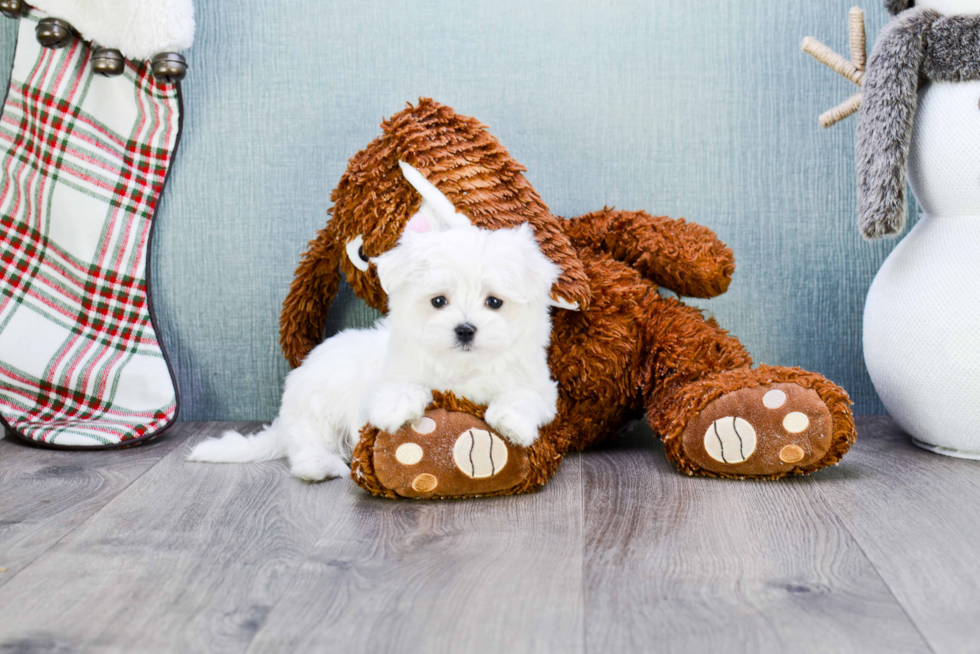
83, 160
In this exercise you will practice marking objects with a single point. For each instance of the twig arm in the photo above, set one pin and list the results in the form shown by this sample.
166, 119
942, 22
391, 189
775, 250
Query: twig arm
859, 42
852, 70
845, 109
832, 60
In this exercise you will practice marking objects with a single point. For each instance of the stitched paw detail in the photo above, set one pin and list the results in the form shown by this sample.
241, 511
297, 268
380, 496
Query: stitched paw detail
765, 430
448, 454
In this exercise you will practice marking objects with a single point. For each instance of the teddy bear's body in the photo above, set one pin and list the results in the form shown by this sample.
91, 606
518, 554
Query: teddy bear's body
923, 309
619, 349
631, 345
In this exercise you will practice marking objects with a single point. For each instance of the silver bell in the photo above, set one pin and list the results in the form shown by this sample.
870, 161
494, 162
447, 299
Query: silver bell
54, 32
12, 8
108, 62
168, 67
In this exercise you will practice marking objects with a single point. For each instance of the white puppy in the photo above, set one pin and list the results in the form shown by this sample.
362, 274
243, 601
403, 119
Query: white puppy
467, 313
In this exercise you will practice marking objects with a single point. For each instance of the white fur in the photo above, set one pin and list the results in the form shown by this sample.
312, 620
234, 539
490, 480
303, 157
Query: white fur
385, 375
139, 29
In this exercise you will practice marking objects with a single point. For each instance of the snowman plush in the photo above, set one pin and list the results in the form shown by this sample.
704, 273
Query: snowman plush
920, 114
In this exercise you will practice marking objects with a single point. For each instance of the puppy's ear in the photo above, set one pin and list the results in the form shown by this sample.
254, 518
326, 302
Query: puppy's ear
399, 264
541, 272
436, 213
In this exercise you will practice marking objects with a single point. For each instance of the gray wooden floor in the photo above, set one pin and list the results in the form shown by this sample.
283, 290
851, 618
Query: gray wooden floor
139, 551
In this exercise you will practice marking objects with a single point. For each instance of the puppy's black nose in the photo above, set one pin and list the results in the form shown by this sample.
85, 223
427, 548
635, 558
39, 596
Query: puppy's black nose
465, 332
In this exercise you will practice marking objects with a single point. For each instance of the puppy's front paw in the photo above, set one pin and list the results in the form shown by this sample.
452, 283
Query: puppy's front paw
392, 406
513, 425
317, 466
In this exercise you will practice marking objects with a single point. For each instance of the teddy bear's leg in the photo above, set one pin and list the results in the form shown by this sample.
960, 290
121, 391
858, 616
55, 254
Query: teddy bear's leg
718, 416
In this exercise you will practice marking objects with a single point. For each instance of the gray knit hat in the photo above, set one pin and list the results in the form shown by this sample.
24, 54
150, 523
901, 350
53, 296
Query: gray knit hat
898, 6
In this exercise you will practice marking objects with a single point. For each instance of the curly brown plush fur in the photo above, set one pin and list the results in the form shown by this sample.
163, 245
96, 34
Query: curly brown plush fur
627, 353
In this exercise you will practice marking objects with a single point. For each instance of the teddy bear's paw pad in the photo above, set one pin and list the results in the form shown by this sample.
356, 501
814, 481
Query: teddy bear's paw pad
761, 431
448, 454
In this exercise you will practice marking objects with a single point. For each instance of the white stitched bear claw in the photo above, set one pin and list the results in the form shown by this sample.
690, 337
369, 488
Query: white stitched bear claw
479, 454
730, 440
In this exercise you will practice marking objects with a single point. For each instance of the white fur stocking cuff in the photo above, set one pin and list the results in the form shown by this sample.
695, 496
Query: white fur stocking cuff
139, 29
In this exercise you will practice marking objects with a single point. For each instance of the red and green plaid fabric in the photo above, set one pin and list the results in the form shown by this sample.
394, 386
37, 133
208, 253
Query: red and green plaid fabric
83, 160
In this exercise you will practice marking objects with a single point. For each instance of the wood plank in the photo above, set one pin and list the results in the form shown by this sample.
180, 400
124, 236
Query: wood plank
45, 494
696, 564
916, 515
479, 575
191, 558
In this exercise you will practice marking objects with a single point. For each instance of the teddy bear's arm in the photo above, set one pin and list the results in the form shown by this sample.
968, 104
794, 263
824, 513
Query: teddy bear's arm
314, 285
684, 257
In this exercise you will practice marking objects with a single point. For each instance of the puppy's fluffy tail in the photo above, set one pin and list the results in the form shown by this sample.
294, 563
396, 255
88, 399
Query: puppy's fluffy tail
233, 447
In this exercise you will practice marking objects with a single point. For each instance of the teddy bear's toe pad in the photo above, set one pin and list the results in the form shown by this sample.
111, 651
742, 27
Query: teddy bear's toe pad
760, 431
448, 454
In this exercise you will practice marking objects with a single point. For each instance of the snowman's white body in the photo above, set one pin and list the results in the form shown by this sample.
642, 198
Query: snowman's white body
922, 316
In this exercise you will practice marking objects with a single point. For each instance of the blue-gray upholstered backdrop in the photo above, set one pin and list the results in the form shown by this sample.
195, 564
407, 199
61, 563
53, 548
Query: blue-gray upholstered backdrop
700, 109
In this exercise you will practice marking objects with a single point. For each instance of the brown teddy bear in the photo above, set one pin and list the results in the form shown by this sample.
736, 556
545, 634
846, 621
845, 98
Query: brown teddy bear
619, 349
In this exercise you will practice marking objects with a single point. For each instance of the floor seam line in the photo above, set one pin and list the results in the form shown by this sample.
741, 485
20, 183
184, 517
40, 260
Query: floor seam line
884, 582
299, 562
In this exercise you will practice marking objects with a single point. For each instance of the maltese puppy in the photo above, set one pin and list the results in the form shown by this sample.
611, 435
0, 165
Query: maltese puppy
467, 313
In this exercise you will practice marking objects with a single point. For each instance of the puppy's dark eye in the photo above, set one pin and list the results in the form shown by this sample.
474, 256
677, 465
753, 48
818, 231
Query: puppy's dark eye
360, 253
439, 302
494, 302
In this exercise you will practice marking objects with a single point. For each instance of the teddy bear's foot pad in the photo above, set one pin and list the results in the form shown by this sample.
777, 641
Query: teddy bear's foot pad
448, 454
760, 431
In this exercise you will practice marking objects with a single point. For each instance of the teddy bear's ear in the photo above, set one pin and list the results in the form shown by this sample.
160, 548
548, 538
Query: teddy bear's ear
436, 212
304, 312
